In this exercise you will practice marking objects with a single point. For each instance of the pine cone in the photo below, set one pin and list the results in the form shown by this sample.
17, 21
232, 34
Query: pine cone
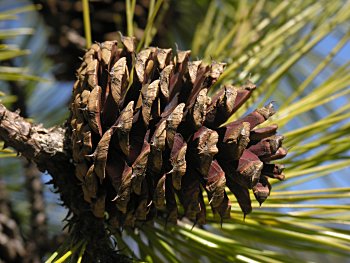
11, 243
147, 138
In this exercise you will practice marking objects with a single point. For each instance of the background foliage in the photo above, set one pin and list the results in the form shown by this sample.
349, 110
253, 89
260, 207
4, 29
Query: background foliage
295, 51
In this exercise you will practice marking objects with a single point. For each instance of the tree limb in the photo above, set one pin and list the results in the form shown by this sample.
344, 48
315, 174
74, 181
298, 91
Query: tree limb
48, 149
33, 141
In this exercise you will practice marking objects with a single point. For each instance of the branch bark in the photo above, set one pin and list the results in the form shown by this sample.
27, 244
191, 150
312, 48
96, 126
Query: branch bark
33, 141
50, 149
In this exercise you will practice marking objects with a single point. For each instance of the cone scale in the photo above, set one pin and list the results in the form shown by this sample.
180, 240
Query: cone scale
147, 138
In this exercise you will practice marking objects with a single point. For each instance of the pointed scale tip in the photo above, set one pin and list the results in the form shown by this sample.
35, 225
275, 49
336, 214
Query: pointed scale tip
249, 85
279, 140
268, 110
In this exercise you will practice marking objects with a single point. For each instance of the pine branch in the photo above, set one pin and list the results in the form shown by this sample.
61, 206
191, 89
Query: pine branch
43, 146
46, 148
49, 149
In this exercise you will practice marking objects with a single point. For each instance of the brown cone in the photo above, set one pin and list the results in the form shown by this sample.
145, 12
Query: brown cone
147, 138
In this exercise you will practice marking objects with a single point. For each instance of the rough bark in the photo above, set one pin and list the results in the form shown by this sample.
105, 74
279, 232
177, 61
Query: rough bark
45, 147
34, 142
50, 150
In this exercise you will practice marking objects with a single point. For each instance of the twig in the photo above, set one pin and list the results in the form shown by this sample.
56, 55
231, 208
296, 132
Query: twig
45, 147
50, 150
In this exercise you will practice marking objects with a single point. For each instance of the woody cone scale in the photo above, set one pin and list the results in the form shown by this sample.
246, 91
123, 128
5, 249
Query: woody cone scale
148, 140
